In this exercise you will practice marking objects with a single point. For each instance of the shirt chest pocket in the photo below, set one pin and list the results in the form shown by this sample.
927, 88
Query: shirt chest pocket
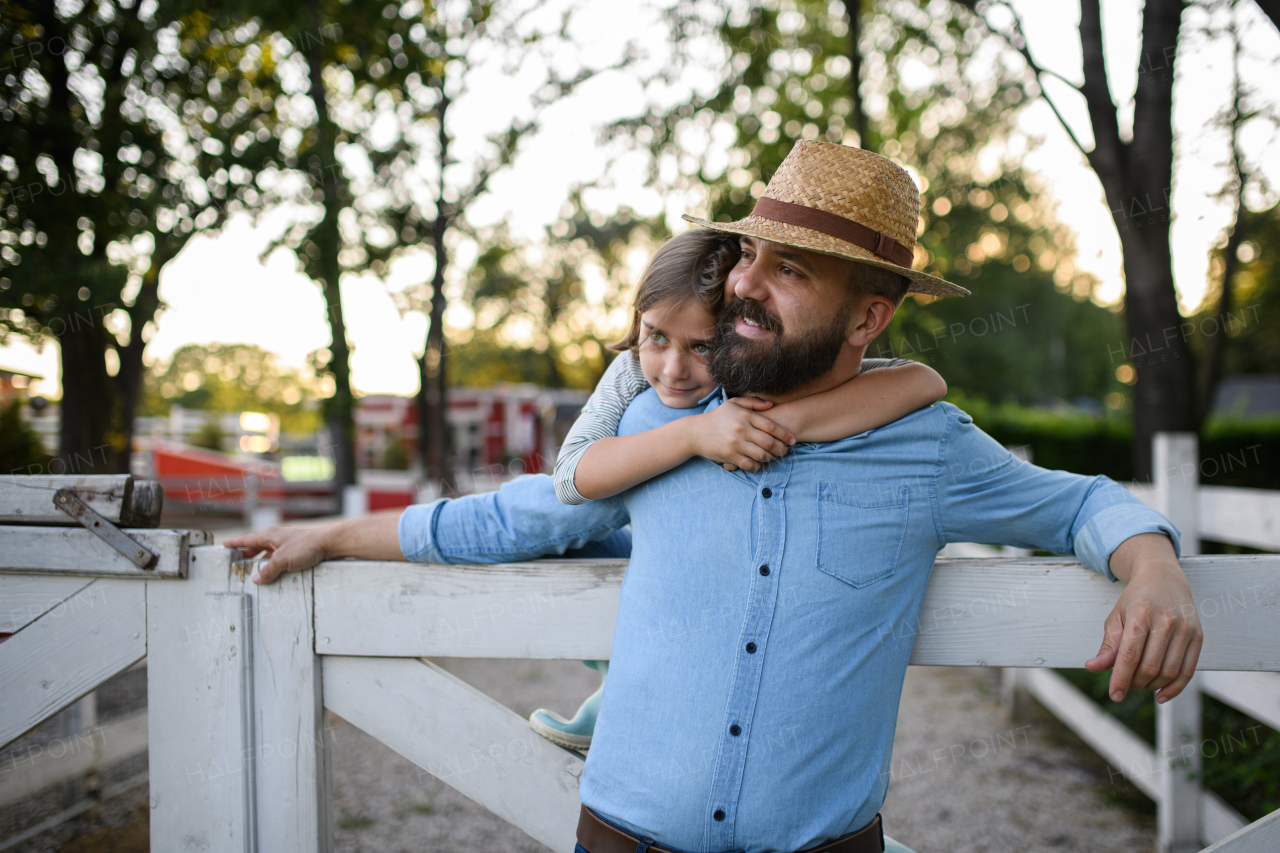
860, 530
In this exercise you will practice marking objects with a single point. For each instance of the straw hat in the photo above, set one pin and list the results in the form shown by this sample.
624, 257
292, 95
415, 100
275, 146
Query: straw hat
845, 202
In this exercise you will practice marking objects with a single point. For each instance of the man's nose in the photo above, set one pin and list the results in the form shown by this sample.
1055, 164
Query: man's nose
750, 284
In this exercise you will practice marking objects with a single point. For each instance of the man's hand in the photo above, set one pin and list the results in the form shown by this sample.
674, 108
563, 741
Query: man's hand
293, 549
1152, 637
289, 549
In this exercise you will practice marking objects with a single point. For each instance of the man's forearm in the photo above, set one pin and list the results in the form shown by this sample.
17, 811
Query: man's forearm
375, 537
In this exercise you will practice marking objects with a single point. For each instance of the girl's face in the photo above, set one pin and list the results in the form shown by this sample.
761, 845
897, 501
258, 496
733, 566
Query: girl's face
675, 348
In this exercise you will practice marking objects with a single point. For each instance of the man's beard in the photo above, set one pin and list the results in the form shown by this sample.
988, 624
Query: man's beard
778, 364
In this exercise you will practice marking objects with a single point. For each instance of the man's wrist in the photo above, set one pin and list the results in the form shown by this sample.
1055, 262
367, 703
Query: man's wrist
1143, 554
328, 539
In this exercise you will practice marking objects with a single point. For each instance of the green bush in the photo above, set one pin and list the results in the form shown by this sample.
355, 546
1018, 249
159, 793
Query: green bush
20, 447
1239, 754
1232, 453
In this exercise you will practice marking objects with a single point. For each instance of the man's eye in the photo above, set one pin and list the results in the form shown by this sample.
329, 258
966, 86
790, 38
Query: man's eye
787, 270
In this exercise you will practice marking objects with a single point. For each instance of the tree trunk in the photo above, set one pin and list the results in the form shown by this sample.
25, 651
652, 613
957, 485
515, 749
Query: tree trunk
340, 409
1137, 178
436, 443
88, 403
852, 10
129, 379
433, 392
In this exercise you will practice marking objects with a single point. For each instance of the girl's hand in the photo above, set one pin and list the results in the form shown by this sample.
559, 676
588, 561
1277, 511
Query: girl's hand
736, 436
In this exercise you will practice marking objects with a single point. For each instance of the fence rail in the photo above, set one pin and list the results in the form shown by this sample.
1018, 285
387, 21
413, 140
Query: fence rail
239, 675
1187, 815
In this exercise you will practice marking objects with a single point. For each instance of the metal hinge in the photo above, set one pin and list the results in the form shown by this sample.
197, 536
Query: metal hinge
133, 550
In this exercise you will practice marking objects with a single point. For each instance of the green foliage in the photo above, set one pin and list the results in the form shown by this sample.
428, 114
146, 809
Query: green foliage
1253, 324
942, 102
1062, 439
1232, 453
20, 447
233, 378
544, 314
1239, 754
102, 182
210, 435
396, 457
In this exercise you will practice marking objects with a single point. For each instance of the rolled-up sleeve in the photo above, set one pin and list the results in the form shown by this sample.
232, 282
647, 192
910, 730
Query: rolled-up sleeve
521, 521
987, 495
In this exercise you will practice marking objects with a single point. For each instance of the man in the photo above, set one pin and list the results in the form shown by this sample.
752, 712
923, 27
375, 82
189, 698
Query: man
758, 657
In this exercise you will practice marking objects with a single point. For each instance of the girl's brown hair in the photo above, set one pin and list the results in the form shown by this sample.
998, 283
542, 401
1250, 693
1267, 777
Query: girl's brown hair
692, 265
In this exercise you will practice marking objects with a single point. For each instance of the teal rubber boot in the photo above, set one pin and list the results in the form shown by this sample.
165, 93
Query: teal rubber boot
575, 733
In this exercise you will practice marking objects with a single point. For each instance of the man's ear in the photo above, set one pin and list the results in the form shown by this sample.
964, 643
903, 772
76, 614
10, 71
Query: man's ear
870, 319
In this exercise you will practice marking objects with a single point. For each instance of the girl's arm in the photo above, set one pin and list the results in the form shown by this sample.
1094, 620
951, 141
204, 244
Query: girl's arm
869, 400
733, 434
599, 418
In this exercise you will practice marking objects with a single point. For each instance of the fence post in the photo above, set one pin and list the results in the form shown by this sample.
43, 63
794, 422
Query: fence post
200, 708
1176, 478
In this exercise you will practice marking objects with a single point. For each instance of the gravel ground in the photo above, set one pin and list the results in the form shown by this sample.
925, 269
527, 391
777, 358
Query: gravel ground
963, 779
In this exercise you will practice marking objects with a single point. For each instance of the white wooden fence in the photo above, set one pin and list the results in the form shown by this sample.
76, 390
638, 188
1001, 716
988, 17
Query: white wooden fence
1187, 814
239, 675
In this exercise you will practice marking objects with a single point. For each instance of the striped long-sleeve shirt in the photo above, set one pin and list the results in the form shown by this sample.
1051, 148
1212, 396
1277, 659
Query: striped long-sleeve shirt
622, 381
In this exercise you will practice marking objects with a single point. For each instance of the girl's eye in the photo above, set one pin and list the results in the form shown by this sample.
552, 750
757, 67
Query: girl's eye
702, 349
658, 338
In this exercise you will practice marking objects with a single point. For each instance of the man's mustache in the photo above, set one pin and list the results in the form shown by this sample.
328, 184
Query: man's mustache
752, 311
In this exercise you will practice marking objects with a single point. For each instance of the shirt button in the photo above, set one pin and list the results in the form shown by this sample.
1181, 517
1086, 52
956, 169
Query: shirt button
735, 730
767, 493
751, 648
718, 814
764, 570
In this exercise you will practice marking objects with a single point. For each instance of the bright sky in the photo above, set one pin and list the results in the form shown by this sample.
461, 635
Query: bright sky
217, 290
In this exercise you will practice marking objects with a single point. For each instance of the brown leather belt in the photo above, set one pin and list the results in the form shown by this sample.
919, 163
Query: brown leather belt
600, 837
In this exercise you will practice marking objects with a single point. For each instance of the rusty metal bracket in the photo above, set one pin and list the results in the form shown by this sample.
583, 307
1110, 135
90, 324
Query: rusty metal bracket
133, 550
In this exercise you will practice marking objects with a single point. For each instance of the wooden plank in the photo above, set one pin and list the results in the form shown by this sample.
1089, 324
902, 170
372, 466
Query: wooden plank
1217, 819
76, 551
981, 612
29, 499
463, 737
291, 754
1129, 756
546, 609
1261, 836
1175, 469
1240, 516
200, 693
1178, 742
1255, 693
24, 599
1049, 612
69, 651
43, 765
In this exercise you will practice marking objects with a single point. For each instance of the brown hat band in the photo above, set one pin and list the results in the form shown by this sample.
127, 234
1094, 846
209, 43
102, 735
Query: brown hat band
832, 225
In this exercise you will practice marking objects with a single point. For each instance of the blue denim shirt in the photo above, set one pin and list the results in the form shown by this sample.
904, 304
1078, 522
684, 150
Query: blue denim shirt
759, 654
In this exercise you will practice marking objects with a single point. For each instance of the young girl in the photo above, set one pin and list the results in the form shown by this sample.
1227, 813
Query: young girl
667, 348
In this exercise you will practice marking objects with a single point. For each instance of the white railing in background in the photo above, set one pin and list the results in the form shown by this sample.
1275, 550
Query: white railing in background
239, 675
1187, 814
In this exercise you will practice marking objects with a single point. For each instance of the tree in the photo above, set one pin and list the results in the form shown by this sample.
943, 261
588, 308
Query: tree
233, 378
1137, 181
460, 43
107, 174
788, 75
539, 293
